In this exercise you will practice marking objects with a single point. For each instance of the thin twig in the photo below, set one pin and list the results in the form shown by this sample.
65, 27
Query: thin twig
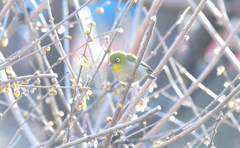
153, 10
122, 97
28, 77
214, 131
121, 126
203, 119
200, 78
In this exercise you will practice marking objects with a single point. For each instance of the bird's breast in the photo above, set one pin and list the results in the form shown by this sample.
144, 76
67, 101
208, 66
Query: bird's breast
122, 74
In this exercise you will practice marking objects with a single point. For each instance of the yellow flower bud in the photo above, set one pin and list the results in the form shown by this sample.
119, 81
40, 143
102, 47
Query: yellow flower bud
36, 73
68, 37
156, 143
93, 24
109, 118
83, 60
25, 114
86, 32
43, 51
6, 90
26, 82
70, 25
70, 125
120, 105
78, 108
47, 48
23, 93
72, 79
89, 92
100, 10
79, 84
82, 104
91, 39
120, 30
54, 80
116, 92
43, 29
16, 92
53, 92
9, 69
4, 42
38, 81
104, 138
7, 85
87, 62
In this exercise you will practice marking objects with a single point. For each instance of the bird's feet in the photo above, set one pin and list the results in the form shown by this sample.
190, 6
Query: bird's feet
123, 92
128, 80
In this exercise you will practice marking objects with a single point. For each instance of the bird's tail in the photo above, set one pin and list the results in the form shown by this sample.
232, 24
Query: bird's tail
150, 77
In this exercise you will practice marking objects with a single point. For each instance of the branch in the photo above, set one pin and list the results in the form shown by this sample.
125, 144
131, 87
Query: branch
112, 129
200, 79
203, 120
213, 33
152, 12
162, 63
214, 131
122, 98
6, 8
28, 77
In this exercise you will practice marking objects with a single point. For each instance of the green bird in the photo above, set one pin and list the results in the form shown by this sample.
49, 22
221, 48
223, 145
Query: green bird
122, 64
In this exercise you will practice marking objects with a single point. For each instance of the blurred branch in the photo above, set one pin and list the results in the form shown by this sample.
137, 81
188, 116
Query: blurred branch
202, 120
28, 77
213, 33
200, 78
162, 63
16, 112
6, 8
47, 33
152, 12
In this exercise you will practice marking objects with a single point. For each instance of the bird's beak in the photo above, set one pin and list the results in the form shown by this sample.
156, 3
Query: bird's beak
111, 64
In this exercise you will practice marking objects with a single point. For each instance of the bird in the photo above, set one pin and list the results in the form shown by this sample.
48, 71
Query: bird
122, 64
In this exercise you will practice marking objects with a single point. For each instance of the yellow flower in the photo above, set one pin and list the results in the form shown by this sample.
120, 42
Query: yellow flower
4, 42
109, 118
47, 48
9, 69
16, 92
100, 10
86, 32
53, 91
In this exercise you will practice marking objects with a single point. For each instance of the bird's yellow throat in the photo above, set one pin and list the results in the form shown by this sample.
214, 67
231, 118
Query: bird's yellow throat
117, 67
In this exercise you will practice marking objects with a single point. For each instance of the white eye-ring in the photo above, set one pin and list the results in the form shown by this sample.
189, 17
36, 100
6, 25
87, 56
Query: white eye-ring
117, 60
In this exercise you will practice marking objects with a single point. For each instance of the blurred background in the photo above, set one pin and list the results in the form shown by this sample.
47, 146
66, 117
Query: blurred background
194, 54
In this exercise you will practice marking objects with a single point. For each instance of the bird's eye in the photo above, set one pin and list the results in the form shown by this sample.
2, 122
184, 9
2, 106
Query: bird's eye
117, 60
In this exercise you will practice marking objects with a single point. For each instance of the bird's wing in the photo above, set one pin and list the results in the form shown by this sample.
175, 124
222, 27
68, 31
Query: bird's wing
133, 58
